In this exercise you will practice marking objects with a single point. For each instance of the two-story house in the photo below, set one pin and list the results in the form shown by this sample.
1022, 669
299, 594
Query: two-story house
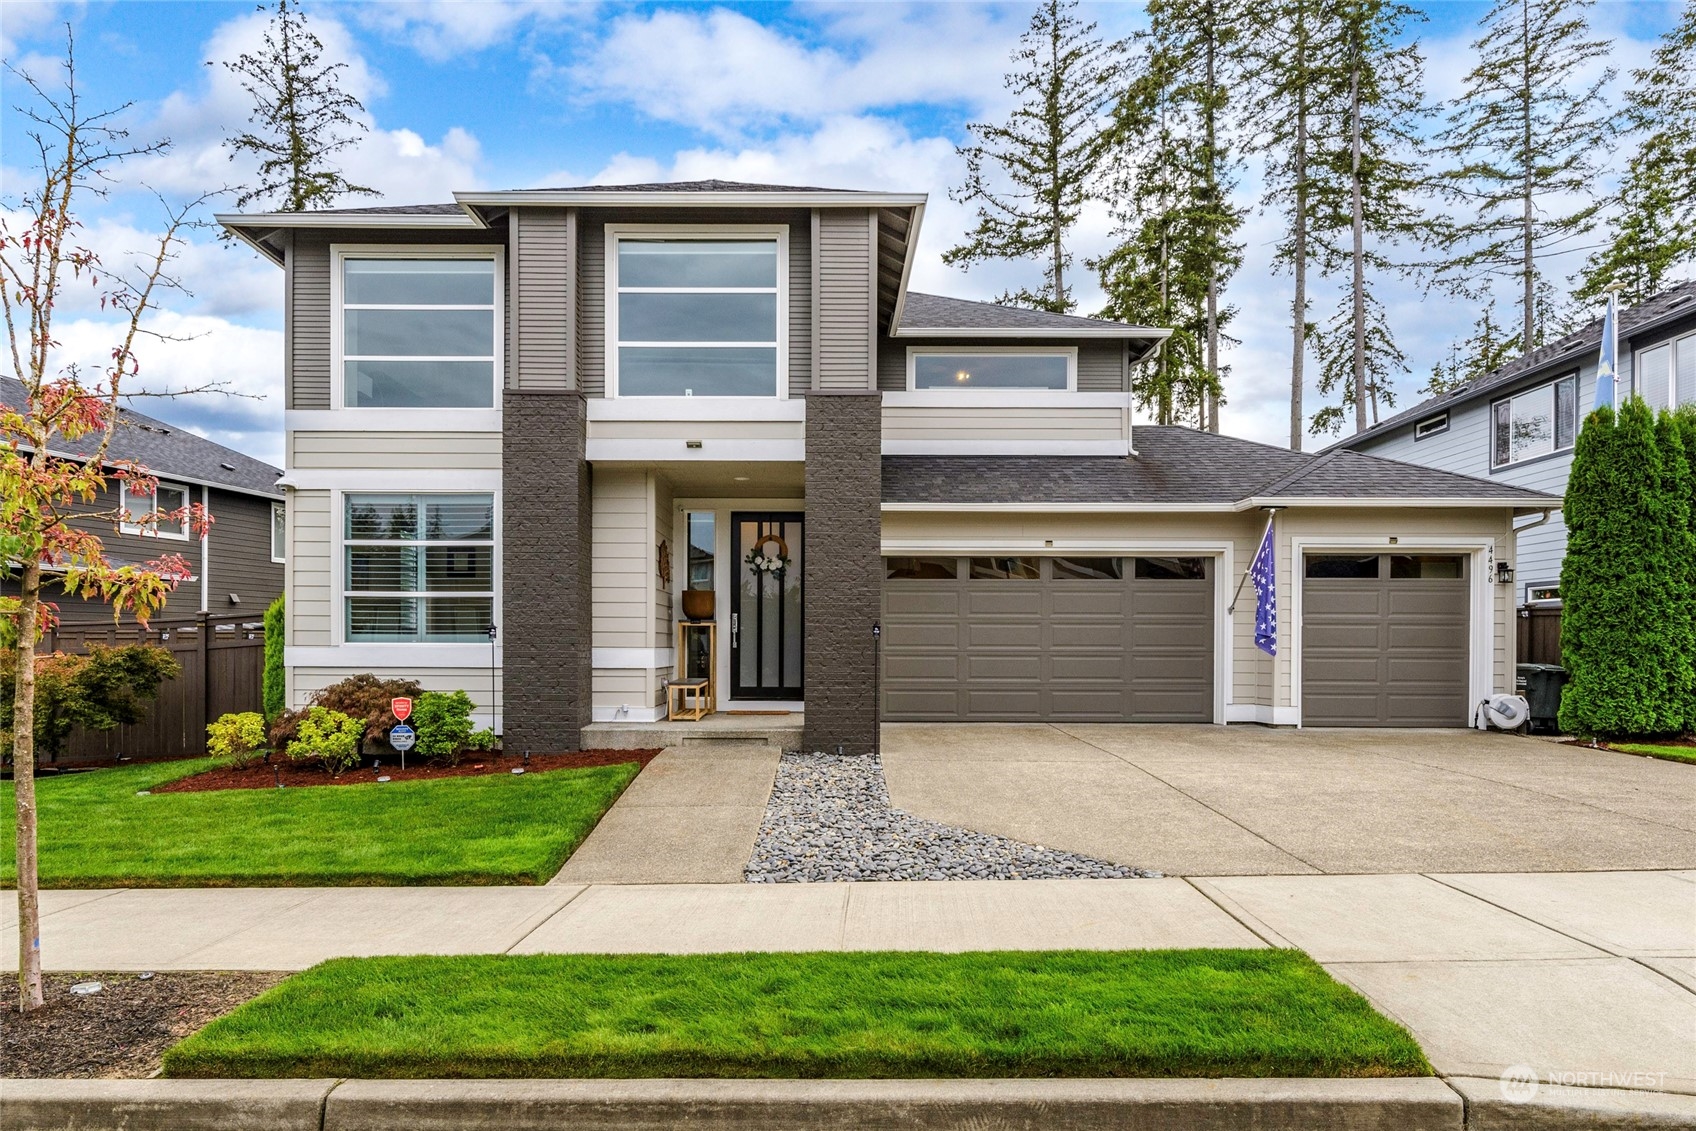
236, 564
552, 413
1517, 425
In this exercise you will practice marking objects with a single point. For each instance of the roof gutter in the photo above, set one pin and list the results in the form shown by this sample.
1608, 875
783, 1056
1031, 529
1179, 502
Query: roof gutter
1535, 502
1139, 333
237, 220
727, 199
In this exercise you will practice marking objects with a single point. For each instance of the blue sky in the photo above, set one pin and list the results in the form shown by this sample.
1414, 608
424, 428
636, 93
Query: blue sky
518, 93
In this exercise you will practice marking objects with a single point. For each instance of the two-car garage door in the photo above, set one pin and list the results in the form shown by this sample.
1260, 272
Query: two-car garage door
1096, 639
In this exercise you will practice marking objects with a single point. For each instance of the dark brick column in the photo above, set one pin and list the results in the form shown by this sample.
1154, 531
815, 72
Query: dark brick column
844, 569
545, 572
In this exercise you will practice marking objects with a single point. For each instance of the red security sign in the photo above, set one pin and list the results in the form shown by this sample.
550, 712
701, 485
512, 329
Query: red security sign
402, 708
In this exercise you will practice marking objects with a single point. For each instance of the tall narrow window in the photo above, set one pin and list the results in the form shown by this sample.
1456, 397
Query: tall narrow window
1666, 374
279, 532
696, 317
418, 332
420, 567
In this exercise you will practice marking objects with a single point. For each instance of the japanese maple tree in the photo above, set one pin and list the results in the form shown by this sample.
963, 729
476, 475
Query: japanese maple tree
55, 458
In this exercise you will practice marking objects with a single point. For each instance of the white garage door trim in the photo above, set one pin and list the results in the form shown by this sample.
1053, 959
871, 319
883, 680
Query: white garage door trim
1482, 568
1223, 553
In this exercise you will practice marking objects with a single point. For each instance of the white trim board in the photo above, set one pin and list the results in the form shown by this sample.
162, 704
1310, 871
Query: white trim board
1262, 713
997, 447
418, 479
1000, 398
392, 420
657, 450
696, 408
623, 714
630, 659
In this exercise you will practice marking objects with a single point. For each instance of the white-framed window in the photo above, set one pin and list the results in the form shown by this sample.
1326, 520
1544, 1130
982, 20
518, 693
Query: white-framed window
1431, 426
416, 326
279, 532
992, 368
699, 312
1534, 422
418, 567
1548, 592
1665, 374
164, 498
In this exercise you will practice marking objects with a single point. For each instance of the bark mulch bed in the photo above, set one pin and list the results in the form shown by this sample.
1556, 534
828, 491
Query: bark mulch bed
121, 1031
266, 776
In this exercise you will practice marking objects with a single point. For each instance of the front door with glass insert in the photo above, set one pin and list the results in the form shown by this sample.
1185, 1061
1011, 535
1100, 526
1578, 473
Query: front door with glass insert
765, 607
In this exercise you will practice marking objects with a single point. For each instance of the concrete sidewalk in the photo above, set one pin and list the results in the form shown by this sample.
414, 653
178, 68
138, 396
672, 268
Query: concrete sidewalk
1588, 978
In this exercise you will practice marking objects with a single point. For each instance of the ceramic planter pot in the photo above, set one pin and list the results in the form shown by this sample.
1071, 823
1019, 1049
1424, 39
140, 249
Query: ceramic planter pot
698, 604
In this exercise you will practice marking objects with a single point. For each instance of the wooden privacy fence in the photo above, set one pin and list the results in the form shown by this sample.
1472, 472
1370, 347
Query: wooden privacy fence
223, 662
1539, 634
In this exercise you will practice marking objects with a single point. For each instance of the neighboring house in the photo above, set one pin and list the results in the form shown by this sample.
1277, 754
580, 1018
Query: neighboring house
1517, 424
236, 568
553, 411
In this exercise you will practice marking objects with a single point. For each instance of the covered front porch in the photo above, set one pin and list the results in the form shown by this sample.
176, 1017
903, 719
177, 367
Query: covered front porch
698, 573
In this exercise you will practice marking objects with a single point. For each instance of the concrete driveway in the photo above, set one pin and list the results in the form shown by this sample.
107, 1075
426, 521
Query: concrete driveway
1243, 800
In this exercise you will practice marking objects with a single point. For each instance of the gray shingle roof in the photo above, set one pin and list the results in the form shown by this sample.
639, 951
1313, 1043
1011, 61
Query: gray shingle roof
1180, 465
448, 209
1580, 345
933, 312
167, 450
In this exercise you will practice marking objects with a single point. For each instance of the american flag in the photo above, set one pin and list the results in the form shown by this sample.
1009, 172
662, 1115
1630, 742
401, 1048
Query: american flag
1264, 573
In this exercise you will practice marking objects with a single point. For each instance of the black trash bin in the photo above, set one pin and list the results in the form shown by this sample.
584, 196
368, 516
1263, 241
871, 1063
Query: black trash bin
1542, 685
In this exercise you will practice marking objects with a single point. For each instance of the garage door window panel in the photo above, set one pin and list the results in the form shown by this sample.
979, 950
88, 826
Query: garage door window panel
921, 569
1088, 569
1171, 569
1006, 569
1339, 567
1430, 567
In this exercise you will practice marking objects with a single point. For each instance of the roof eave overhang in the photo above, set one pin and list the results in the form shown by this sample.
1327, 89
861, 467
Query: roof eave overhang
1534, 503
940, 506
729, 199
170, 476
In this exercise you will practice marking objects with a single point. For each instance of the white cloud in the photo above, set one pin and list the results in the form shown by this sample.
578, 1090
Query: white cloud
24, 19
442, 29
721, 71
202, 351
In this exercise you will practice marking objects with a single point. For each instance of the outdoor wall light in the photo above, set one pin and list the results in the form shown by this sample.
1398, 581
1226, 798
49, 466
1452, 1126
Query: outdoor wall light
1504, 573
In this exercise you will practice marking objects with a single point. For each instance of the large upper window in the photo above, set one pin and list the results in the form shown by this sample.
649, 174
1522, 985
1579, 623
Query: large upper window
696, 317
1666, 374
418, 331
279, 532
1053, 369
1535, 422
419, 567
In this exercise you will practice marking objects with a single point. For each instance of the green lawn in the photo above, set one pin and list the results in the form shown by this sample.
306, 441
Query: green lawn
1657, 750
1061, 1013
506, 829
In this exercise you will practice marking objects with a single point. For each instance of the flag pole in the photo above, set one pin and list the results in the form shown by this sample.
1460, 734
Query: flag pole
1607, 358
1271, 516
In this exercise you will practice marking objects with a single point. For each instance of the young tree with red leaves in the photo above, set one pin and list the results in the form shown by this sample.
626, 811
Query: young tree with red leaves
66, 408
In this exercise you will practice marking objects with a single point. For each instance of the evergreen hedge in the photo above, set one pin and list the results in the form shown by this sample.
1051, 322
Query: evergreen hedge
1628, 640
1679, 445
274, 694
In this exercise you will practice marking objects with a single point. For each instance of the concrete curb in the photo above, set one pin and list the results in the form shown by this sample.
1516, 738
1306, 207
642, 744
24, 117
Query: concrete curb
1404, 1104
1410, 1104
1558, 1106
164, 1105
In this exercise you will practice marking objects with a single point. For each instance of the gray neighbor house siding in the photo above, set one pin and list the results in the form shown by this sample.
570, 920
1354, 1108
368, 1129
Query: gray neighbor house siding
1464, 447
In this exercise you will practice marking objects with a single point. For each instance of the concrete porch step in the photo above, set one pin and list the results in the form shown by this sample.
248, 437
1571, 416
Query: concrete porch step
780, 731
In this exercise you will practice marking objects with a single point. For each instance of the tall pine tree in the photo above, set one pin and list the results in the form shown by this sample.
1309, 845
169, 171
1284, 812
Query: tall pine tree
1296, 92
1525, 141
1374, 179
1031, 176
1174, 169
301, 118
1484, 351
1653, 232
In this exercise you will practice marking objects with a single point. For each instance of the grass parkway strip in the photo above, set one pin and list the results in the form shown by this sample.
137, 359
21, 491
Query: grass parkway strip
101, 829
1211, 1013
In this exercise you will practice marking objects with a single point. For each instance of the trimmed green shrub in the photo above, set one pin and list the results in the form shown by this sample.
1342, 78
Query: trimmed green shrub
326, 736
1623, 628
482, 740
1676, 434
237, 739
443, 722
363, 696
274, 696
101, 689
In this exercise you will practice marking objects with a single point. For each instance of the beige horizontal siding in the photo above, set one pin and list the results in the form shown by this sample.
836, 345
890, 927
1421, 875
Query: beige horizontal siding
309, 604
969, 423
462, 451
696, 430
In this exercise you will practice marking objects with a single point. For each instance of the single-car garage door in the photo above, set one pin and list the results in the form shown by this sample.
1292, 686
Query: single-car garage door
1078, 639
1384, 640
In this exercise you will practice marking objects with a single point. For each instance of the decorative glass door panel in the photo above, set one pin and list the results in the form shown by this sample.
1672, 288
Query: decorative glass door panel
766, 603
